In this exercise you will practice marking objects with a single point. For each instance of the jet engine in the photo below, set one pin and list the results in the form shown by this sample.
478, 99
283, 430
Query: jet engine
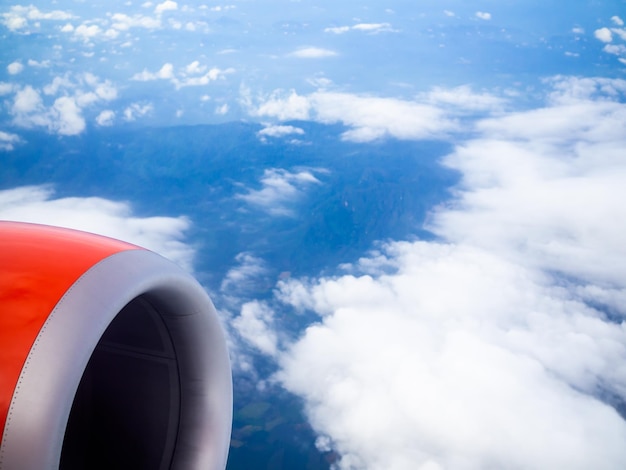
111, 357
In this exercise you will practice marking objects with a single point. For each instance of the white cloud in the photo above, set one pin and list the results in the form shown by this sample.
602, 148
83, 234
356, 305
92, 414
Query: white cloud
621, 32
26, 101
222, 110
64, 114
457, 360
248, 271
123, 22
14, 22
210, 76
603, 34
166, 72
41, 64
617, 20
105, 118
67, 116
449, 13
167, 5
578, 30
372, 28
15, 67
254, 324
373, 118
615, 49
135, 110
483, 15
312, 53
37, 204
431, 114
6, 88
369, 117
279, 189
279, 131
550, 224
337, 29
320, 82
87, 32
463, 98
195, 68
8, 140
501, 344
293, 106
58, 83
220, 8
18, 16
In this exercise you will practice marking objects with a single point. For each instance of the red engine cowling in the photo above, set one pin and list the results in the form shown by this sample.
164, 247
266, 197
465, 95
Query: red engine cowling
110, 357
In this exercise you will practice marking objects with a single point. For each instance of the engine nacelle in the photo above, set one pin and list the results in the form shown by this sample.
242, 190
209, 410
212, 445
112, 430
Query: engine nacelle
110, 357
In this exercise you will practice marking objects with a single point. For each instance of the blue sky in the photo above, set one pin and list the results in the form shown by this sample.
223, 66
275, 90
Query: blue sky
498, 343
163, 63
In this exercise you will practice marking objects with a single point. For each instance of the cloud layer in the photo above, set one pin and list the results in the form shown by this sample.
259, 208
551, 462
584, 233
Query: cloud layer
37, 204
502, 344
430, 115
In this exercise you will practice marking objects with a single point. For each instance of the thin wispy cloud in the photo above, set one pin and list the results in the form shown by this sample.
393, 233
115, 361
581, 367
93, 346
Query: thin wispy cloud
371, 28
248, 270
312, 53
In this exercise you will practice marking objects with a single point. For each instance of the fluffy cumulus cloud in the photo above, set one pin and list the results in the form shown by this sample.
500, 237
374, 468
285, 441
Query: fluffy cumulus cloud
106, 118
59, 106
483, 15
501, 344
603, 34
614, 39
124, 22
37, 204
193, 74
167, 5
432, 114
254, 324
279, 189
21, 17
15, 67
164, 73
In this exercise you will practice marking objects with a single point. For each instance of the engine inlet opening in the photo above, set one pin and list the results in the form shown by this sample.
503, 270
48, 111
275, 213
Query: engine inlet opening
126, 410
